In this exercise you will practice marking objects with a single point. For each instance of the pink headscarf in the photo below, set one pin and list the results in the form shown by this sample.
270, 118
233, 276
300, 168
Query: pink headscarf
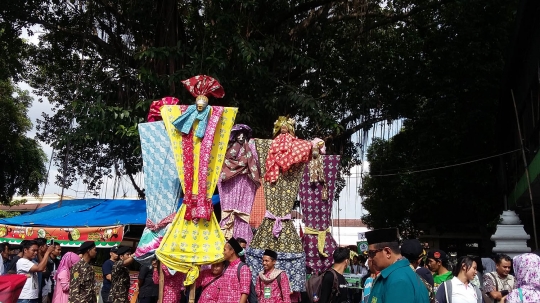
67, 262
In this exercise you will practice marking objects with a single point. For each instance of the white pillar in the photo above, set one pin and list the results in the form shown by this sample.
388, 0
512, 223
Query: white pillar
510, 237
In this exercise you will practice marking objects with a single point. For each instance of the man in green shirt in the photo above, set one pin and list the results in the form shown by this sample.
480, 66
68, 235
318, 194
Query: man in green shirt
437, 263
397, 281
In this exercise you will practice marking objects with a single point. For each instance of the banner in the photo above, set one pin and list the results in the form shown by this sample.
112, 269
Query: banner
106, 236
361, 244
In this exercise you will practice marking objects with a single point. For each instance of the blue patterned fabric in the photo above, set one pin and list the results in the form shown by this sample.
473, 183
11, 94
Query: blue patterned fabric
186, 120
294, 264
162, 185
161, 182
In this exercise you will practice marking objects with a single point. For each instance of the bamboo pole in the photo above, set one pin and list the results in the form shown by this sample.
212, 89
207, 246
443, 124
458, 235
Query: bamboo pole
526, 166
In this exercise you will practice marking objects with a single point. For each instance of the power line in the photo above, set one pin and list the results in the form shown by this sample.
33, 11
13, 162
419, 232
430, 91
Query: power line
443, 167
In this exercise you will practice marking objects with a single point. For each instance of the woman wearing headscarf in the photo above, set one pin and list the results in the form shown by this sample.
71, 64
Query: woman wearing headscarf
61, 291
527, 273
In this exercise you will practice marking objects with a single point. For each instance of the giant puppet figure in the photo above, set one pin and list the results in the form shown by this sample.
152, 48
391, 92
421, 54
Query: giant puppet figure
238, 183
316, 196
282, 164
199, 135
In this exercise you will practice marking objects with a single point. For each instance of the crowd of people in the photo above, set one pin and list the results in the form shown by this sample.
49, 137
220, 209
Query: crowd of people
391, 272
406, 273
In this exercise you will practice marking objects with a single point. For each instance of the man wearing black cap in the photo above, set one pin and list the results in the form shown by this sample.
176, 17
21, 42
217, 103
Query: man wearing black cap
82, 282
120, 282
414, 252
106, 268
437, 263
236, 280
272, 283
397, 282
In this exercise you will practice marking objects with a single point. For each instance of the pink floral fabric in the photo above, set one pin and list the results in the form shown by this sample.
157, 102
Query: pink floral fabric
232, 285
285, 151
199, 206
238, 193
276, 296
204, 85
527, 273
173, 285
210, 287
155, 108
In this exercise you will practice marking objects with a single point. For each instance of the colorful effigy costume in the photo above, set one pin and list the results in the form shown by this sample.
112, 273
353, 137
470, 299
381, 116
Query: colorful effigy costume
316, 197
162, 185
238, 183
199, 135
286, 155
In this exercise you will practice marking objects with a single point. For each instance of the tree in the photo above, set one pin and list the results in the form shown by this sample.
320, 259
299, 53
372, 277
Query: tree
22, 161
329, 63
453, 123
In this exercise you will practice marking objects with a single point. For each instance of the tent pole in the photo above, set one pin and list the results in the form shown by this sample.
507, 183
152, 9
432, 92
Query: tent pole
526, 166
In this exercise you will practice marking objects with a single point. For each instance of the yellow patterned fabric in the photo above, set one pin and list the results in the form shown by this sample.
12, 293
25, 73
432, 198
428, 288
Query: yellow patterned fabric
219, 146
189, 244
321, 236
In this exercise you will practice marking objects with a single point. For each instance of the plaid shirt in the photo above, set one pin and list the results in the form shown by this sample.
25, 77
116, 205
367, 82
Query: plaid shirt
231, 287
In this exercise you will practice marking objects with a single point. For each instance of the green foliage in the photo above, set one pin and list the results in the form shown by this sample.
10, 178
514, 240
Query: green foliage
453, 122
101, 63
338, 67
22, 161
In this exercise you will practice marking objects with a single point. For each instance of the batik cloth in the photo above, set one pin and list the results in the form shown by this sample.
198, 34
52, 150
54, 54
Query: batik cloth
232, 285
238, 192
162, 187
82, 286
155, 108
173, 284
316, 215
259, 208
240, 159
119, 283
527, 272
280, 292
236, 196
199, 161
190, 244
280, 197
316, 175
210, 286
285, 151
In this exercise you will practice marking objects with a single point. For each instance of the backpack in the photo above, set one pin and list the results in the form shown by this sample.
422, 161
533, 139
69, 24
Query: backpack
314, 283
252, 297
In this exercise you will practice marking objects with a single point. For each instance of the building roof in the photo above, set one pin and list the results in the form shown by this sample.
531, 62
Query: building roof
33, 203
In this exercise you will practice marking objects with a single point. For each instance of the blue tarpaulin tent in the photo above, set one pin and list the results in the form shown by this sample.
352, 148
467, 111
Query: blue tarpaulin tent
72, 222
84, 212
87, 213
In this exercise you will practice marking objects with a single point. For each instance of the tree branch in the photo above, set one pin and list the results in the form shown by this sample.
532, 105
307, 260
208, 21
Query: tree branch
404, 16
350, 131
140, 192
